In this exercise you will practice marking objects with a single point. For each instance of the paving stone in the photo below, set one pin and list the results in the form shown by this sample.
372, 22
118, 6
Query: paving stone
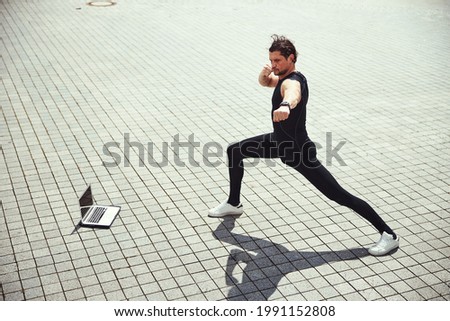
140, 83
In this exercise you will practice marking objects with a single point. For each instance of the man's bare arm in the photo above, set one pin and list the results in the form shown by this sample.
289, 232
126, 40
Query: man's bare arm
291, 93
266, 78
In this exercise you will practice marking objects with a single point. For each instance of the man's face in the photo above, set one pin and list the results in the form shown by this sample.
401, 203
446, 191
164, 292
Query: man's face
280, 65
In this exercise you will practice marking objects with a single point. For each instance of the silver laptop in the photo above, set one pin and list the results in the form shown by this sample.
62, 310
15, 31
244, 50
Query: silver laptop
94, 215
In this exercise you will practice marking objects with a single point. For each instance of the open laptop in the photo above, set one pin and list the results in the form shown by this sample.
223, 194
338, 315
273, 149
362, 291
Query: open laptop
94, 215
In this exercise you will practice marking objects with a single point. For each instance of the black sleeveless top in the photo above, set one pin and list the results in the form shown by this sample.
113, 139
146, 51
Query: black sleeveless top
295, 125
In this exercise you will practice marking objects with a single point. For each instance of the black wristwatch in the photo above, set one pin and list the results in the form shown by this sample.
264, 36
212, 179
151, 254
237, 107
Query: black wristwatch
285, 103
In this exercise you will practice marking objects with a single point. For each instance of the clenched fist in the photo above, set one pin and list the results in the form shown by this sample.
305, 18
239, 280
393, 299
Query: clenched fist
267, 70
280, 114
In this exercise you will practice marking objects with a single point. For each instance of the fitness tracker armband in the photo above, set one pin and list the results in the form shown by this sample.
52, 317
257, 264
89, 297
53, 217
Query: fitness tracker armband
285, 103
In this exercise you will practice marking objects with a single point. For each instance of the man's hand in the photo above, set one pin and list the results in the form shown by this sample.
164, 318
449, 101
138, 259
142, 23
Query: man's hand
267, 70
280, 114
266, 78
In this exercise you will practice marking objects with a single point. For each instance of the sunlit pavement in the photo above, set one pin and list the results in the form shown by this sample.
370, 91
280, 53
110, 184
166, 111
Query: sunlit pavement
140, 100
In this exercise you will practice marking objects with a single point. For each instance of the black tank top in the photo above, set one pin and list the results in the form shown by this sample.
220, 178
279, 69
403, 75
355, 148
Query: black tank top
295, 125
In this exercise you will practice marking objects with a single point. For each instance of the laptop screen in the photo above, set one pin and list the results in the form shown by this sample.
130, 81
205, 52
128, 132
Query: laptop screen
86, 200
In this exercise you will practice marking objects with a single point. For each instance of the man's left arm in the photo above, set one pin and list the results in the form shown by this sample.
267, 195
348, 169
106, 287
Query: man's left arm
292, 94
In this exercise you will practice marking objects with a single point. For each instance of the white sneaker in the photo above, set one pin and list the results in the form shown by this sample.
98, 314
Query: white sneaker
226, 209
385, 245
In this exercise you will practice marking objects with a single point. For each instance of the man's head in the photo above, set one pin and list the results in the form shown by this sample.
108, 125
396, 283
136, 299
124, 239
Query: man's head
282, 55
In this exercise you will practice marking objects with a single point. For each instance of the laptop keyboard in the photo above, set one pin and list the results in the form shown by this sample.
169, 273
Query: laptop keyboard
97, 214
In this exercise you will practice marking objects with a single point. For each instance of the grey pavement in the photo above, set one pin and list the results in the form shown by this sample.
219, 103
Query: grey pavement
100, 96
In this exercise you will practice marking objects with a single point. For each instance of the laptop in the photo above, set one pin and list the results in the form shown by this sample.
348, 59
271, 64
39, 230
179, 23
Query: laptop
93, 215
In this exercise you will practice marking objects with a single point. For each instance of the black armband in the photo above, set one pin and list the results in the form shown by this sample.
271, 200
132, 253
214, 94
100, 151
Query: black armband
285, 103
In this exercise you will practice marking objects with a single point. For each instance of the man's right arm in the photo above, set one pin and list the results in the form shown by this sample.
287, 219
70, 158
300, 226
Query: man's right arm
266, 78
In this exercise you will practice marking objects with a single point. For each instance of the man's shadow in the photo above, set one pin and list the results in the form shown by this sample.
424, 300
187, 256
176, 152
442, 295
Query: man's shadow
266, 263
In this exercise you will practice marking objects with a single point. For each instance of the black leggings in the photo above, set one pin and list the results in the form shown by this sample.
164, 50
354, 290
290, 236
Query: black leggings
301, 157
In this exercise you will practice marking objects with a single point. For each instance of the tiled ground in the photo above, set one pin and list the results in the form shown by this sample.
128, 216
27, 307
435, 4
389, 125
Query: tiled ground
78, 81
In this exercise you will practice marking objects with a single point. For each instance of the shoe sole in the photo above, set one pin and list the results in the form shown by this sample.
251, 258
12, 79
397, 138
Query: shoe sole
224, 215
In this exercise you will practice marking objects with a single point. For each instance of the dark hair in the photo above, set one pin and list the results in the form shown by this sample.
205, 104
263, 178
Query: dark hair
284, 46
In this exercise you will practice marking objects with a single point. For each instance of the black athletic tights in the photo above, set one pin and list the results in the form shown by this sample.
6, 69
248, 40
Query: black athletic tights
301, 157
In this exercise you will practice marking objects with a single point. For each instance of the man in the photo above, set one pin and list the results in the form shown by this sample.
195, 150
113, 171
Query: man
289, 141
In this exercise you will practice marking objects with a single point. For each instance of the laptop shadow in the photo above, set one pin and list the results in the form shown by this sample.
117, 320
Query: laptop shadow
266, 263
76, 228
